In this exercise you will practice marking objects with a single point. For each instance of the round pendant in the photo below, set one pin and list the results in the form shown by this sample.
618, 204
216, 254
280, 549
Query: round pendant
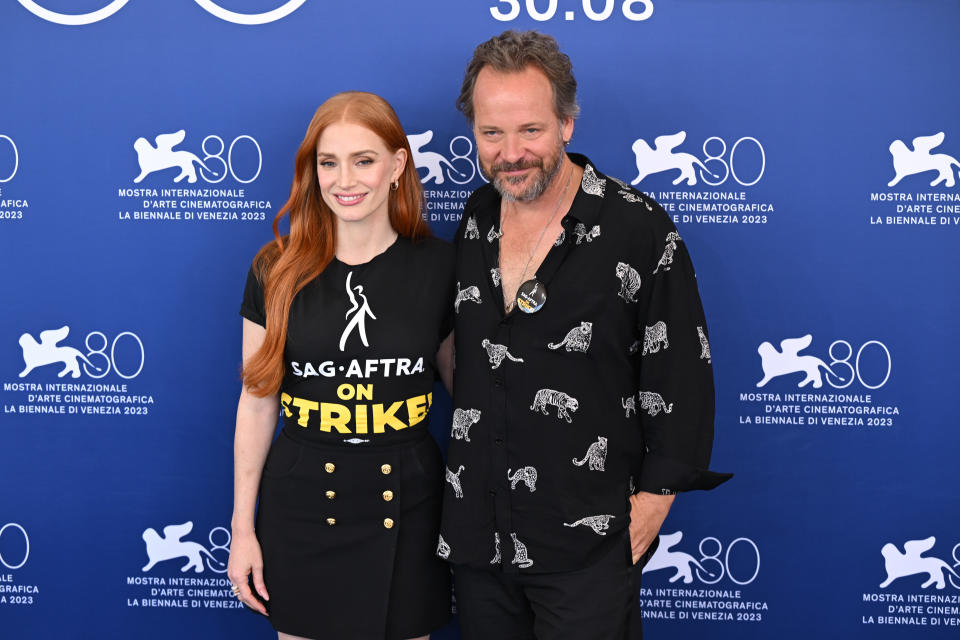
531, 296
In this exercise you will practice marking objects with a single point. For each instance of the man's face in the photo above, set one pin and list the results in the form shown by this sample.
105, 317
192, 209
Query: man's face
519, 136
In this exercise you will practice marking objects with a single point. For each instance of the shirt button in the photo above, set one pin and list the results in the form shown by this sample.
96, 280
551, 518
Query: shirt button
330, 467
388, 523
386, 469
331, 521
498, 381
498, 441
388, 495
493, 492
331, 495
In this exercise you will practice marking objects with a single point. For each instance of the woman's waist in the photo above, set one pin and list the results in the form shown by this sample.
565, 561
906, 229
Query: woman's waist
340, 442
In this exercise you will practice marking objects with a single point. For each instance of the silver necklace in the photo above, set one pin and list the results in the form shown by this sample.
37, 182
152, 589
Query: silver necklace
544, 231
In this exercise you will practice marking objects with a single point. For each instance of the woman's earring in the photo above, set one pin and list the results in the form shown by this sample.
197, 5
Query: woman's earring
396, 185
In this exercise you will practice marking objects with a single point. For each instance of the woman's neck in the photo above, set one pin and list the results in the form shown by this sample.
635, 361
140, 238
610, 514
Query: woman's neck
361, 241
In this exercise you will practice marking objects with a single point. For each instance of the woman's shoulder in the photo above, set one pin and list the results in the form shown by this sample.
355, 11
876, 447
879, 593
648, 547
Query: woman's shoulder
436, 251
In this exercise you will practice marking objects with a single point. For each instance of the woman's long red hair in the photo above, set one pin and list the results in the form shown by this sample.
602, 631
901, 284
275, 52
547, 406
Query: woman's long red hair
286, 264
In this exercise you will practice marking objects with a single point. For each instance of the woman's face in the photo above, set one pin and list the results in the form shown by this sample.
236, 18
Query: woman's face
355, 170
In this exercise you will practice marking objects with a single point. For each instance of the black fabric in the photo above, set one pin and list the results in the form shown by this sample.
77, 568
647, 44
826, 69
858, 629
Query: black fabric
593, 603
357, 407
336, 388
534, 393
353, 578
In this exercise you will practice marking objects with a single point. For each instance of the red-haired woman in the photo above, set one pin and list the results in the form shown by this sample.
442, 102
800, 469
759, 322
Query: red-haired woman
347, 324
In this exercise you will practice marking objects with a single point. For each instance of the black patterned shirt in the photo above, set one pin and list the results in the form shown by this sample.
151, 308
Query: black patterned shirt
562, 414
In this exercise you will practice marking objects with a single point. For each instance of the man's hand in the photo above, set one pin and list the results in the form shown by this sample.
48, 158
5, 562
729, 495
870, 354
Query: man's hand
647, 513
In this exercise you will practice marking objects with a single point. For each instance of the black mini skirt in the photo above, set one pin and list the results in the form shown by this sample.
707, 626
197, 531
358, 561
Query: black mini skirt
349, 538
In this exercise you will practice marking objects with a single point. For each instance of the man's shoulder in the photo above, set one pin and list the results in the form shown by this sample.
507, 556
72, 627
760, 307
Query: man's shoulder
479, 207
631, 209
481, 200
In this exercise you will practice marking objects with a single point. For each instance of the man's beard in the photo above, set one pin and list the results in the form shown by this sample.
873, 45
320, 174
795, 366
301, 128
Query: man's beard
540, 180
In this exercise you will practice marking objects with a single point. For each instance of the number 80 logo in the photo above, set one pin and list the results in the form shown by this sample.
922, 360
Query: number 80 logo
208, 5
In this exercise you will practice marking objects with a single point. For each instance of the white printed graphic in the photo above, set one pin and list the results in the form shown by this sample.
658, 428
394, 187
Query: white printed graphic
454, 480
908, 162
704, 345
13, 529
495, 276
434, 163
720, 560
16, 158
787, 360
629, 404
496, 546
463, 419
662, 158
592, 184
629, 281
75, 19
470, 294
39, 354
526, 475
520, 555
654, 337
560, 238
912, 562
251, 19
171, 547
596, 455
360, 310
497, 352
671, 246
653, 403
627, 194
577, 339
14, 552
208, 5
443, 549
494, 234
582, 234
599, 524
471, 232
557, 399
627, 7
163, 156
663, 558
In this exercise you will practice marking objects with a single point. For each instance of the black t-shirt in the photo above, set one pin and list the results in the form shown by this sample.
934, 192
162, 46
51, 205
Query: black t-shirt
362, 340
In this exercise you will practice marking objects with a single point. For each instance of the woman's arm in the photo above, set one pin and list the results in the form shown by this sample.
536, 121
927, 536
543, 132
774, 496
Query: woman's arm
256, 422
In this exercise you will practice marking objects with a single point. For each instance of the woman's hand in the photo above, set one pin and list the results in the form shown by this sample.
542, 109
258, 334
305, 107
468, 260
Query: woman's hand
246, 558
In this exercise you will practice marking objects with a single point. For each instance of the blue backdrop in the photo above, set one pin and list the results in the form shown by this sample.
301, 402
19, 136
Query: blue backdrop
787, 122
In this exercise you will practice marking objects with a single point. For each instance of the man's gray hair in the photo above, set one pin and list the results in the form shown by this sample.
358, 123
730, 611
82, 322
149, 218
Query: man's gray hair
513, 51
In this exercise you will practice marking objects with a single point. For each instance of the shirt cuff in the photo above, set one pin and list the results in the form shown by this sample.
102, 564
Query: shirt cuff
667, 476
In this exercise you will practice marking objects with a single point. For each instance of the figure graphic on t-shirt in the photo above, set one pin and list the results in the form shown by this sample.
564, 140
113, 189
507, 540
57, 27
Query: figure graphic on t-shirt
360, 311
